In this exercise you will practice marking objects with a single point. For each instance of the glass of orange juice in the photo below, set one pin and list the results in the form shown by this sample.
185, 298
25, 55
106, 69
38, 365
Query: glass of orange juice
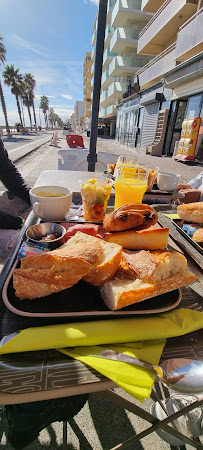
126, 162
130, 185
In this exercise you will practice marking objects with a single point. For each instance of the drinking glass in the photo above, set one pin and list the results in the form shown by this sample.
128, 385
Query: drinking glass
130, 185
95, 193
126, 162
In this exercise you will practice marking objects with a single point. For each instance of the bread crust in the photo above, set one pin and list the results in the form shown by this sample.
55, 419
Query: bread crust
108, 266
145, 290
41, 275
146, 239
191, 212
130, 216
198, 235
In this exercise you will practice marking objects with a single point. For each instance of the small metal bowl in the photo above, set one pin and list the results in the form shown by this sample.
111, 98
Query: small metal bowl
36, 233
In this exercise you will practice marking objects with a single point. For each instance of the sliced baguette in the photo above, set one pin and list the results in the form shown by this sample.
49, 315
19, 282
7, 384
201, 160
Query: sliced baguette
109, 263
147, 239
120, 293
41, 275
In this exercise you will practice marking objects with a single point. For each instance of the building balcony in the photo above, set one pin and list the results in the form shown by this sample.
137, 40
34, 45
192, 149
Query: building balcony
93, 55
108, 112
110, 6
151, 5
108, 35
122, 38
87, 85
125, 10
116, 89
111, 110
127, 64
87, 73
104, 99
163, 26
87, 65
153, 71
92, 69
94, 37
189, 39
107, 58
106, 80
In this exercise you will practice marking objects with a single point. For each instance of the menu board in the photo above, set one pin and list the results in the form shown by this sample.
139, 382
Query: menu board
188, 141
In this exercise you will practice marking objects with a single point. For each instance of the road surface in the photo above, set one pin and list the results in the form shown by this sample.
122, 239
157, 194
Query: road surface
16, 141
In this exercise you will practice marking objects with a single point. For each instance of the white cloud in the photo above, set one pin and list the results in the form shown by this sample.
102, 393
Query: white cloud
16, 40
69, 97
95, 2
38, 96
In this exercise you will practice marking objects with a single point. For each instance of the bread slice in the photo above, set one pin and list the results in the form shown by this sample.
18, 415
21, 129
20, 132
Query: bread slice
109, 263
120, 293
146, 239
153, 273
191, 212
43, 274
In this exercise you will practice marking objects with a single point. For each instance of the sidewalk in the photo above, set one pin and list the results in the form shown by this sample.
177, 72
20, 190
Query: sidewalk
187, 170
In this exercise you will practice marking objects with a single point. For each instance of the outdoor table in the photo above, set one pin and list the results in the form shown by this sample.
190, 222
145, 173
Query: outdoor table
70, 179
40, 375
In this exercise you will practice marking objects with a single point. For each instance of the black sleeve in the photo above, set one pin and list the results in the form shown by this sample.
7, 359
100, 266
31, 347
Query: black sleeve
10, 176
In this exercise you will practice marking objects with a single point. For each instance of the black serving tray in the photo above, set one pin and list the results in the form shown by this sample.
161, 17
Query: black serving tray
179, 225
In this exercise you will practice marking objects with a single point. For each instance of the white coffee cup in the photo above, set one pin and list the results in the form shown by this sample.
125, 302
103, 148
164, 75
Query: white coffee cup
51, 203
167, 181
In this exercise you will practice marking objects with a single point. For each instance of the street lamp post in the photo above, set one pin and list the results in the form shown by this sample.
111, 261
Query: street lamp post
101, 25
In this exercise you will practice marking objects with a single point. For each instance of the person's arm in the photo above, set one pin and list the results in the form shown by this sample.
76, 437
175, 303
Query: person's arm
10, 176
196, 182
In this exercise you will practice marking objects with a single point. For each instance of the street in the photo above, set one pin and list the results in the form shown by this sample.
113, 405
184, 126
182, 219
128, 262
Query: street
16, 141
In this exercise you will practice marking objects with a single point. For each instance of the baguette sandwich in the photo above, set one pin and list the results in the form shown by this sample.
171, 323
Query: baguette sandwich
43, 274
109, 262
145, 274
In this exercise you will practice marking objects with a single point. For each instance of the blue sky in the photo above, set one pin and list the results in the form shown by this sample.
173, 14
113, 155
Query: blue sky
49, 39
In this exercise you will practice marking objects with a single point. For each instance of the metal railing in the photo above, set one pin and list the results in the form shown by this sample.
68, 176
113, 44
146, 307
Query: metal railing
166, 3
200, 11
157, 58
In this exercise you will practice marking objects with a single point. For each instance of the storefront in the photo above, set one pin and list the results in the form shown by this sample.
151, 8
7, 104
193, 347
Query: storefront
127, 119
186, 80
137, 116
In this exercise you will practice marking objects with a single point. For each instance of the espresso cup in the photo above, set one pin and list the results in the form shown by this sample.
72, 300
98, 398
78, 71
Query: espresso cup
51, 203
167, 181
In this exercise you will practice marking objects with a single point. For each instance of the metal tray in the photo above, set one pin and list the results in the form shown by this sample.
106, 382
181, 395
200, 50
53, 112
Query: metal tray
179, 224
82, 300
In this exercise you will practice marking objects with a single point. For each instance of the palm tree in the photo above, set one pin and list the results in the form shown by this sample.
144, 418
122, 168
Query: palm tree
31, 82
52, 117
27, 101
44, 105
13, 78
2, 100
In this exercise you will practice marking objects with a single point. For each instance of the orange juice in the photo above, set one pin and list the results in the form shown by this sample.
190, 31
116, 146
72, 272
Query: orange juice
126, 167
129, 190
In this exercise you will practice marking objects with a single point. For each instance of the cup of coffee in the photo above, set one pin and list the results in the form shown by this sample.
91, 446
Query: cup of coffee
51, 203
167, 181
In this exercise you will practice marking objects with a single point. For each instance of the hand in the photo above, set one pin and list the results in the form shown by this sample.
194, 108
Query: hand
191, 195
183, 186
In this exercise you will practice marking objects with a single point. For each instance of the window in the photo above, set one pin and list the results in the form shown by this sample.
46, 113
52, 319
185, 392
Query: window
193, 106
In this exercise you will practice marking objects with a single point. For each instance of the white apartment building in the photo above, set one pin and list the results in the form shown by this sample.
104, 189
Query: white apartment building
174, 37
171, 83
78, 113
124, 22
